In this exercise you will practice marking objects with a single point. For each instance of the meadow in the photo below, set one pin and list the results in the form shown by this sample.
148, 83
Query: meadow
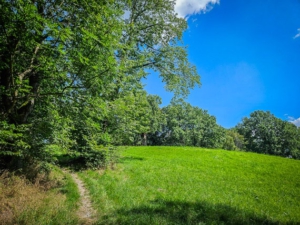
187, 185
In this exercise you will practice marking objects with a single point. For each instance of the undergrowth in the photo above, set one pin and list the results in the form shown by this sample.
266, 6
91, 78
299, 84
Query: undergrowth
48, 199
101, 158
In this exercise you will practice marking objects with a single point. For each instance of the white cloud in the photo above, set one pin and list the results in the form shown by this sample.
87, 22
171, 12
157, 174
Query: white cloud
297, 35
185, 8
295, 121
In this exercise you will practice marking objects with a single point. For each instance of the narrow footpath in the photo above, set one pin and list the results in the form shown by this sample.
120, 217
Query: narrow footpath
86, 212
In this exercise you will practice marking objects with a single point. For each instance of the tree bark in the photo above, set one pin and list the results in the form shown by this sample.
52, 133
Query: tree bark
144, 139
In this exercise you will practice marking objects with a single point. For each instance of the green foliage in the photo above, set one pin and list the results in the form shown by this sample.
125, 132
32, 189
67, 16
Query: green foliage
100, 158
12, 139
71, 71
189, 126
19, 148
130, 118
153, 30
188, 185
264, 133
229, 143
234, 140
93, 159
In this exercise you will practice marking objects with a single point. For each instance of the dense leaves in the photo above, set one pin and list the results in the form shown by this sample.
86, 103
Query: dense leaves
71, 82
190, 126
264, 133
234, 140
71, 71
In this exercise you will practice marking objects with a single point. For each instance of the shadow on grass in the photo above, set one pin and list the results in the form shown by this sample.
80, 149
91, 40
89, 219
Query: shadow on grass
130, 158
72, 162
177, 212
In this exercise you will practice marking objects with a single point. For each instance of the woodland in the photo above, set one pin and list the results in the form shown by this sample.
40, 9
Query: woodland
82, 142
71, 82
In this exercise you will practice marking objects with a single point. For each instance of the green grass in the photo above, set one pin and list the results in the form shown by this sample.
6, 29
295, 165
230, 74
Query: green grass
52, 203
185, 185
71, 192
59, 204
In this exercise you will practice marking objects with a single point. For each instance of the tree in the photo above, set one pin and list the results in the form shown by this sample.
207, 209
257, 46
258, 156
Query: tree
62, 61
129, 118
290, 140
264, 133
156, 118
234, 140
190, 126
154, 30
53, 53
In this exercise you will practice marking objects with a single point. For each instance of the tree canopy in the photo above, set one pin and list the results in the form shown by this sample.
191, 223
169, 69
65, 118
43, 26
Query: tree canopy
190, 126
264, 133
71, 80
70, 69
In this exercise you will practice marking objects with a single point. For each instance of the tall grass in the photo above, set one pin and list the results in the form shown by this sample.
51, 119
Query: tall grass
46, 201
180, 185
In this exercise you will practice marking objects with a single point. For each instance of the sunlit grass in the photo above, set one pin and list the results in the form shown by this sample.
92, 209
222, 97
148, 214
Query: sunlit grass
183, 185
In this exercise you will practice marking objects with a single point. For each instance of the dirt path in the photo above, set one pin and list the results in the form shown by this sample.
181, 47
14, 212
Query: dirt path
86, 212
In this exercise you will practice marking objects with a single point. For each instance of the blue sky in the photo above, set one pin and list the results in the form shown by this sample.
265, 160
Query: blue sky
247, 54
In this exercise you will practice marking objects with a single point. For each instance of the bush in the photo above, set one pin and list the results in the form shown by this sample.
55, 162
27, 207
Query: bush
234, 141
90, 159
229, 143
13, 144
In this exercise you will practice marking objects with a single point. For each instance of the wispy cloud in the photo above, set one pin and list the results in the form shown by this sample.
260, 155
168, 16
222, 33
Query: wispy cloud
297, 35
294, 121
185, 8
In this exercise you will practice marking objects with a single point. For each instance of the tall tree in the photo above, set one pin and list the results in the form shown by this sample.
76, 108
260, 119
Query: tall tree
53, 53
154, 30
156, 117
61, 61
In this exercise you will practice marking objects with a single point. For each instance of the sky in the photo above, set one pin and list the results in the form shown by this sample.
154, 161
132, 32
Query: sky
247, 54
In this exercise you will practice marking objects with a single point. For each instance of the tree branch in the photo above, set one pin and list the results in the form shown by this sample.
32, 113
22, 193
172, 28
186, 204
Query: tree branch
22, 75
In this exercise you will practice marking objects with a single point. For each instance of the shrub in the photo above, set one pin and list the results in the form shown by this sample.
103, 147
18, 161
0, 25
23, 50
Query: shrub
102, 157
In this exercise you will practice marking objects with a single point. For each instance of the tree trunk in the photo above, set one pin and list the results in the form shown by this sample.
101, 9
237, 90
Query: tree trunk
144, 139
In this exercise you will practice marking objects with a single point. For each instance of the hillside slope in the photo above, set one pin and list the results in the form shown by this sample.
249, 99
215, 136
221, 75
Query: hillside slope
184, 185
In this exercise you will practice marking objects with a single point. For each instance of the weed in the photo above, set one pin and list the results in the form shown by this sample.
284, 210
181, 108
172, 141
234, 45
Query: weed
41, 202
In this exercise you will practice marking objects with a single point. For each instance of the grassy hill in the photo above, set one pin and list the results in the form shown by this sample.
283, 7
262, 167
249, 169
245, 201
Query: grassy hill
161, 185
185, 185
